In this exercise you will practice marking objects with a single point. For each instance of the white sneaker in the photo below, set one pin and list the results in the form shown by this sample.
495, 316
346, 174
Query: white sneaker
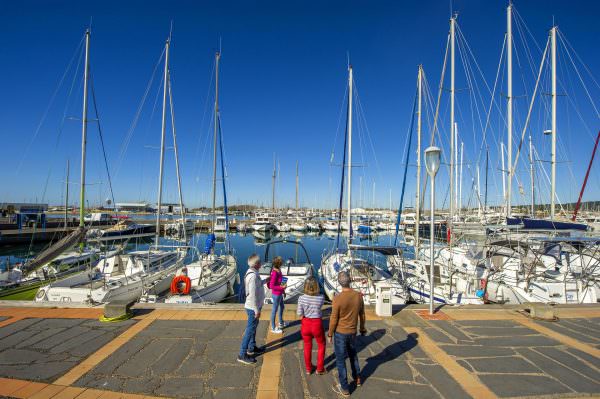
283, 325
277, 330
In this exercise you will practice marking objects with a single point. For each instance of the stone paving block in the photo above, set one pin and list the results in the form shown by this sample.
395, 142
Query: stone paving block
173, 358
291, 385
16, 338
236, 393
499, 331
385, 389
448, 327
61, 338
20, 356
583, 326
144, 384
437, 336
522, 385
593, 360
485, 323
223, 376
517, 341
35, 337
56, 323
467, 351
145, 358
183, 387
79, 341
569, 360
512, 364
569, 377
123, 354
19, 325
195, 365
567, 330
398, 370
441, 381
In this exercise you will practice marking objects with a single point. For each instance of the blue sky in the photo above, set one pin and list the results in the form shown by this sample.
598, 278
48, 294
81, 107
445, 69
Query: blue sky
283, 77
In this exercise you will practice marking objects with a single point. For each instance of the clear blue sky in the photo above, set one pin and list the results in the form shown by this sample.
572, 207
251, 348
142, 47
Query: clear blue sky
283, 79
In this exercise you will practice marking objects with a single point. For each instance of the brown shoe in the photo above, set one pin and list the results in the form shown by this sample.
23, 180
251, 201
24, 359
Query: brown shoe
358, 381
321, 372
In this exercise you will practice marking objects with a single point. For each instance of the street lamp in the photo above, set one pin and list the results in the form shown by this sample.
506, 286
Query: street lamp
432, 163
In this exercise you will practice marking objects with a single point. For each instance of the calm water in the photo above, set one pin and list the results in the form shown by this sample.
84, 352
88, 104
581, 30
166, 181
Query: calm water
243, 245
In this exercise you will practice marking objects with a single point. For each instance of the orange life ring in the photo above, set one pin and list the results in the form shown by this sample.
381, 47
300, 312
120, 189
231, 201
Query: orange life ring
175, 285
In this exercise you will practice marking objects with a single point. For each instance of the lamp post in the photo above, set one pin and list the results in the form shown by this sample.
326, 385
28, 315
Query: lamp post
432, 163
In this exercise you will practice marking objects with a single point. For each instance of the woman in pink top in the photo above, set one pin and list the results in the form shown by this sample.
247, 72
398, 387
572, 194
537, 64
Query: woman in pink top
277, 291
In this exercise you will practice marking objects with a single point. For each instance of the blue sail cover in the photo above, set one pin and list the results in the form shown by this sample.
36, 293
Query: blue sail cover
544, 224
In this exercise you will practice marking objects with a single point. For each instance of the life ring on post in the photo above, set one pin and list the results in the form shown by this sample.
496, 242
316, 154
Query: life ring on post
176, 286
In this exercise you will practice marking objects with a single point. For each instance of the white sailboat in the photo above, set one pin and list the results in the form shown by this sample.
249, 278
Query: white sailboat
211, 276
365, 274
120, 276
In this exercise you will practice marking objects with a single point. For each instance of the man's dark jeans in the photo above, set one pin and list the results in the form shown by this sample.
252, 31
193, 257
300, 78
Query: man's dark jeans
344, 346
249, 340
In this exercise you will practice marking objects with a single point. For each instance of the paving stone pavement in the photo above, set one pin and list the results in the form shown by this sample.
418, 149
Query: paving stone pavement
392, 363
584, 330
44, 349
501, 351
180, 358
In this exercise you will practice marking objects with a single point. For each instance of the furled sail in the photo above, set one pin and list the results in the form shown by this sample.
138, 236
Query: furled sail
54, 250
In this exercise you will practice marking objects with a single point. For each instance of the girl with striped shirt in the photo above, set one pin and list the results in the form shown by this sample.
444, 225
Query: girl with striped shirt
309, 309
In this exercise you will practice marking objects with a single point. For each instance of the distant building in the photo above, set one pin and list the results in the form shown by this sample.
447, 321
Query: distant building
22, 207
134, 207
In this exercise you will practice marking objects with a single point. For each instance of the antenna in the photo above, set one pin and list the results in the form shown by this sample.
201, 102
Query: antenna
171, 30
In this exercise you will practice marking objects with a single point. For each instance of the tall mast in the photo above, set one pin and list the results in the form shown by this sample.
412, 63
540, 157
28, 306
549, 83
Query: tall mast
174, 131
418, 190
553, 182
456, 209
273, 183
214, 193
509, 111
84, 128
297, 188
531, 177
350, 95
503, 169
452, 39
67, 196
460, 179
162, 140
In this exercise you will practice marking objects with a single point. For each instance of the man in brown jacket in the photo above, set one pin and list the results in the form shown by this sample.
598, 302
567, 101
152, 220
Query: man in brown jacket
348, 307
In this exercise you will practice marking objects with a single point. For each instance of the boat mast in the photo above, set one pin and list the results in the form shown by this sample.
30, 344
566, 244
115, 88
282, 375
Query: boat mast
67, 196
418, 190
452, 127
460, 179
350, 94
509, 110
503, 169
214, 193
297, 188
84, 128
553, 182
181, 207
162, 140
274, 177
531, 177
457, 210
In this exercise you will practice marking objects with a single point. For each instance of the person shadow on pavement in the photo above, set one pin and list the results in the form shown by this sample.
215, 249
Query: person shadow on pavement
391, 352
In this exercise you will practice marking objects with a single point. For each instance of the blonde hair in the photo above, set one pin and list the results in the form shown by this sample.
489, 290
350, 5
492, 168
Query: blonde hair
311, 286
277, 262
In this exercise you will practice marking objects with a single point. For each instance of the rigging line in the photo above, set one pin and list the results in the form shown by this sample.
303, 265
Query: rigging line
489, 113
362, 115
407, 156
568, 44
530, 108
208, 96
338, 125
136, 117
560, 36
52, 98
96, 112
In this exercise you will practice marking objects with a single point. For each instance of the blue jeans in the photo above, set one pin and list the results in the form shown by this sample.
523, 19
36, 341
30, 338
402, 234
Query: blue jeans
343, 345
277, 305
249, 340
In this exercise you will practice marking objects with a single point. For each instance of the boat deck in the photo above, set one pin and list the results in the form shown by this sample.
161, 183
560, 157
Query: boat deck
190, 351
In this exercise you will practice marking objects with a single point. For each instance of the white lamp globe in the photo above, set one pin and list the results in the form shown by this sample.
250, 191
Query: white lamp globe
432, 160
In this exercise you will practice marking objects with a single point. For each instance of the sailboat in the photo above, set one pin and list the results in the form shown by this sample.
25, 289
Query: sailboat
119, 276
210, 277
358, 260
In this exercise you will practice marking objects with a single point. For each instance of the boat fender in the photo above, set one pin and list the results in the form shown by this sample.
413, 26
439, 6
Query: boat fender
482, 291
448, 235
229, 289
176, 287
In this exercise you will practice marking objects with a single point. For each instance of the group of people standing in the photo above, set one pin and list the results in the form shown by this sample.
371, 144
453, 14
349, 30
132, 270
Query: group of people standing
347, 318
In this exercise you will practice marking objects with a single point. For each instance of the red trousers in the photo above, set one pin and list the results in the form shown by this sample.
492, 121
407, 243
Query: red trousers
313, 328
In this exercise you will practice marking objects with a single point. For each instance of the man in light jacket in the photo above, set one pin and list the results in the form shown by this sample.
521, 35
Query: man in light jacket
255, 297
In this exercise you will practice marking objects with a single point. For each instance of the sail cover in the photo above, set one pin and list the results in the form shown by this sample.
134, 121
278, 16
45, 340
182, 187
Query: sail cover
55, 249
